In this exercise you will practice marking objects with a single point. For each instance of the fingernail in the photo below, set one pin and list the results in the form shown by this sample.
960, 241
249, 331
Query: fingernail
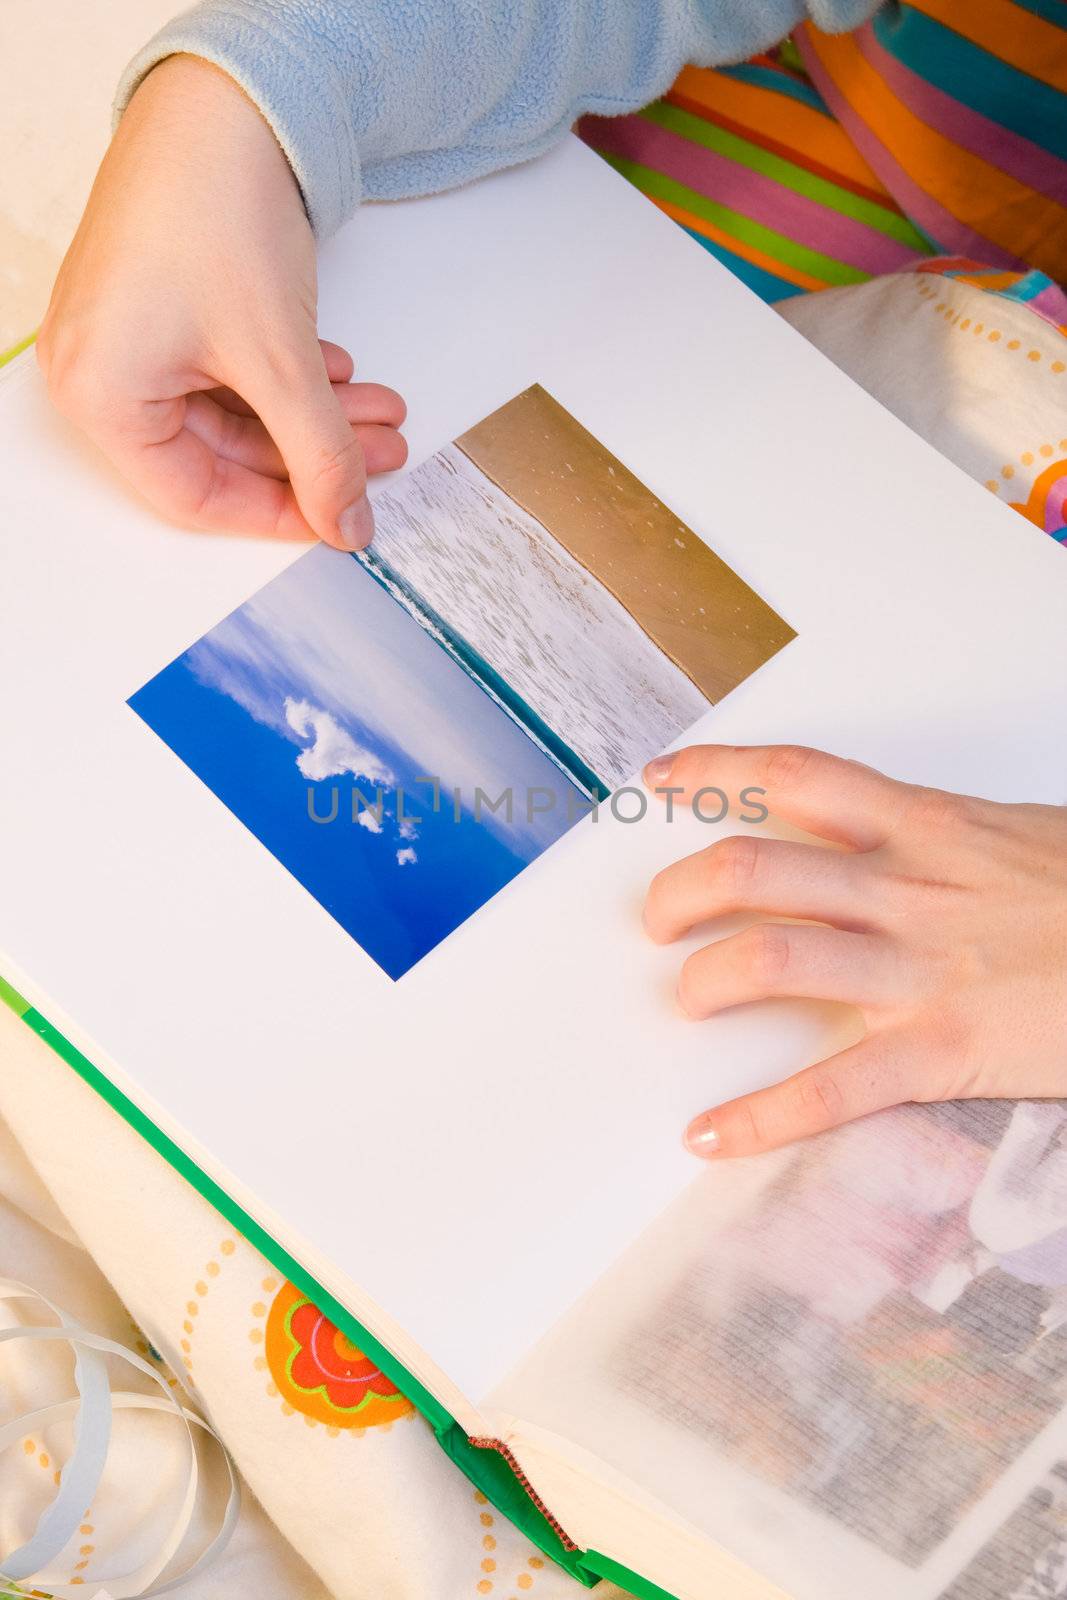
701, 1139
356, 525
658, 771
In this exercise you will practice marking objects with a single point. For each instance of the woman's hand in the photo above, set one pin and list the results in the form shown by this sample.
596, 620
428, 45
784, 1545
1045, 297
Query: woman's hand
182, 329
942, 918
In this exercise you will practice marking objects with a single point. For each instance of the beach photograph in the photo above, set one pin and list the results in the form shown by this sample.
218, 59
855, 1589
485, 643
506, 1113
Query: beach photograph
406, 728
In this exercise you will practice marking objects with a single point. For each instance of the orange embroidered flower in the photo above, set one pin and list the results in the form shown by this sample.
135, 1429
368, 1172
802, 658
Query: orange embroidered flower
320, 1372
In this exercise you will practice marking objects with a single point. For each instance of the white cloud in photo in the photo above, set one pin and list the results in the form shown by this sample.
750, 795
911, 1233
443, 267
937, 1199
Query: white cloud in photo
376, 696
239, 662
333, 751
406, 857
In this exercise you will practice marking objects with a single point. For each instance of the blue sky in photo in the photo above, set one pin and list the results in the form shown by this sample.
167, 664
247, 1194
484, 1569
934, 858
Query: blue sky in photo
323, 681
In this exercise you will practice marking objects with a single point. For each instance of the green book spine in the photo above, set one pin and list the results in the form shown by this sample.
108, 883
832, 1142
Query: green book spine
488, 1469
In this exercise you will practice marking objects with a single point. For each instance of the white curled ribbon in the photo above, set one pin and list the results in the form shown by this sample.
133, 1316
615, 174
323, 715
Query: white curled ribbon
80, 1479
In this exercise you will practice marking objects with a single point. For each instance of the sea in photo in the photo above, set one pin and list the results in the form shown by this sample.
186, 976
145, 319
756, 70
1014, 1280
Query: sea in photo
606, 619
362, 755
540, 622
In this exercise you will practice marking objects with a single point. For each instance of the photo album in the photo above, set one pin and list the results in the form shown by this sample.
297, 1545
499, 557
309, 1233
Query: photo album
325, 871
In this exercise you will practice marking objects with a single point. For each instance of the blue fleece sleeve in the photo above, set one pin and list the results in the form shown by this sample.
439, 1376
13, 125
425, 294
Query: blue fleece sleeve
389, 98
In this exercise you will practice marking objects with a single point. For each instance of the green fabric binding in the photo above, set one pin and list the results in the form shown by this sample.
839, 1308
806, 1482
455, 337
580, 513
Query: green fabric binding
486, 1469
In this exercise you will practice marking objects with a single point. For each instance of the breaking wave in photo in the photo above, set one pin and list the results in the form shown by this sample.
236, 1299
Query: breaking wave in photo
545, 627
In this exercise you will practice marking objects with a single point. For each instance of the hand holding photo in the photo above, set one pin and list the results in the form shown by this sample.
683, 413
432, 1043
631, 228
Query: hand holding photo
407, 729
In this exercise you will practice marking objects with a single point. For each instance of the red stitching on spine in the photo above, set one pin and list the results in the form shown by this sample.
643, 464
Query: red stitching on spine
498, 1445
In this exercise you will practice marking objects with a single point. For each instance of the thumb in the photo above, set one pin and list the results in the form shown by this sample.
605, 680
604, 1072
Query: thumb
322, 455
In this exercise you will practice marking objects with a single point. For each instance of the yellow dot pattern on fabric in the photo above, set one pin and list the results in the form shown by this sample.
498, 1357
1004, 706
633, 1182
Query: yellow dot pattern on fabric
993, 485
192, 1308
1046, 451
491, 1564
488, 1542
994, 335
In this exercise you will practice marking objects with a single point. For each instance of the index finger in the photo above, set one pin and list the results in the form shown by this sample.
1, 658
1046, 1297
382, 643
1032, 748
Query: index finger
835, 799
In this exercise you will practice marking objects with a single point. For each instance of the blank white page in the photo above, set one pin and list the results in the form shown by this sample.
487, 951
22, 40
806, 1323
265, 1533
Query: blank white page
474, 1143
